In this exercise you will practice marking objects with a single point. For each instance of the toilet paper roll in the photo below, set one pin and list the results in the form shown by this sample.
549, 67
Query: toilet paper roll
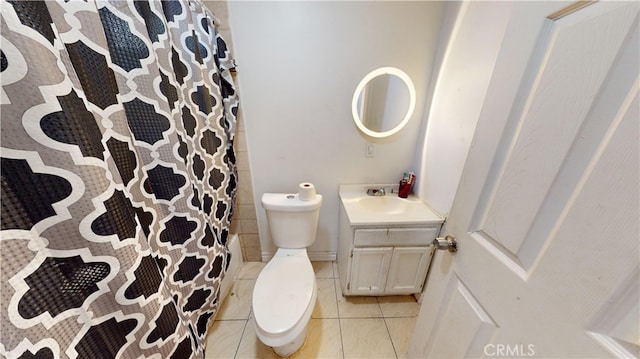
306, 191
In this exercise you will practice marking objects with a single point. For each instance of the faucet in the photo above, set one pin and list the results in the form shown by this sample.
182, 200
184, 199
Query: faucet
375, 191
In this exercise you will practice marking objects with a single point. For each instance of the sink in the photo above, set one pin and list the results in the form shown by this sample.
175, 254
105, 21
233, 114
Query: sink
383, 204
363, 209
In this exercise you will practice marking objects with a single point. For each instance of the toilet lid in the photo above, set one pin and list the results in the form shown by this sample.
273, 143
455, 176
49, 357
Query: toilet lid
282, 293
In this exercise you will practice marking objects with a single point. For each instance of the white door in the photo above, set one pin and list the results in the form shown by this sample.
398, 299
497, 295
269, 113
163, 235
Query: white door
546, 215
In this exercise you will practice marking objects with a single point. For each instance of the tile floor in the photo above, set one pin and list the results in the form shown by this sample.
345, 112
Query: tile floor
340, 327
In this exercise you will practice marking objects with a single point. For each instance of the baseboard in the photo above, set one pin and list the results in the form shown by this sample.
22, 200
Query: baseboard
313, 256
322, 256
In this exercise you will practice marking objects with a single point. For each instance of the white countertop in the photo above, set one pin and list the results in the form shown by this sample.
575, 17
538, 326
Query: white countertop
363, 209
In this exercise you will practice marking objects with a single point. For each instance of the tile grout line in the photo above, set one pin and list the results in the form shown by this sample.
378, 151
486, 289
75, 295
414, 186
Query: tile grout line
395, 351
338, 308
384, 319
246, 322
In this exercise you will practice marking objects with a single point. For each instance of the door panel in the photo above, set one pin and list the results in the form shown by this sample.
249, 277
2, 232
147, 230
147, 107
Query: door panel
546, 215
556, 107
453, 340
522, 202
616, 325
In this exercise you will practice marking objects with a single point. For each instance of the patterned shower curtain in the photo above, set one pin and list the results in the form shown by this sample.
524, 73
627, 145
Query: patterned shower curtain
118, 177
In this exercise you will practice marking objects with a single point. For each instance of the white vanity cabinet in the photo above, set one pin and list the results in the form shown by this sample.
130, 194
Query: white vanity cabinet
384, 258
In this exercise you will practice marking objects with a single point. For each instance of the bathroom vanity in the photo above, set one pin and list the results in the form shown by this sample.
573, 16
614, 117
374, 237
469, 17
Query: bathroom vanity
384, 242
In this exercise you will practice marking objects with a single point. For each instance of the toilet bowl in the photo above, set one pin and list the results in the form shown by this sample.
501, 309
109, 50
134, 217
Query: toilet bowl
283, 299
285, 291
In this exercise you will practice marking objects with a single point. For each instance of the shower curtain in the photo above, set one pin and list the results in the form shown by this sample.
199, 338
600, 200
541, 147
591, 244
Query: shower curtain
118, 177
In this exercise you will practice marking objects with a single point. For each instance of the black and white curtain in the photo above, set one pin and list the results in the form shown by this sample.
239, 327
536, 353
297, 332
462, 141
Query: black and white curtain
118, 177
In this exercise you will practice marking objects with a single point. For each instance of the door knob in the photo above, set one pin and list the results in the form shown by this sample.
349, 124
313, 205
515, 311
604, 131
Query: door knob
448, 242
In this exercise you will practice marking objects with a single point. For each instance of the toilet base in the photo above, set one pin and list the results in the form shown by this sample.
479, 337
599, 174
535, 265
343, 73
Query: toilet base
293, 346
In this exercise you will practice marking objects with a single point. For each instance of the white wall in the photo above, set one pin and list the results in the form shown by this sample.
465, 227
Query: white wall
463, 78
298, 65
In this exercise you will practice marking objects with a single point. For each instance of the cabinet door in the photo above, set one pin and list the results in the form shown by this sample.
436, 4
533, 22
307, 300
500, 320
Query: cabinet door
408, 269
369, 270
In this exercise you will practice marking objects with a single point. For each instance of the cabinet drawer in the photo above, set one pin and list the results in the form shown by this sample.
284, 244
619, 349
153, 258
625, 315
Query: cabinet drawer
413, 236
394, 236
371, 237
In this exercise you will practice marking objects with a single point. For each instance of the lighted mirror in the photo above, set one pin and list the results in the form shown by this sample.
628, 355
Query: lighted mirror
383, 102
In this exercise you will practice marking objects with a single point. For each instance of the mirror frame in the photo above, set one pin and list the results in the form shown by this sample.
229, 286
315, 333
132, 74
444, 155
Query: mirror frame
412, 101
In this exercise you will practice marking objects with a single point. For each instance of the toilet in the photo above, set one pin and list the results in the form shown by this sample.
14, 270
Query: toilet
285, 291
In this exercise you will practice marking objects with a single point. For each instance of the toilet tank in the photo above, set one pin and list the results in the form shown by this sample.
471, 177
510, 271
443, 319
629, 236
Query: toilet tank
292, 222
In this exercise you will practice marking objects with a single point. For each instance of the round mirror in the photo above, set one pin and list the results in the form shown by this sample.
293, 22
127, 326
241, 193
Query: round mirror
383, 102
